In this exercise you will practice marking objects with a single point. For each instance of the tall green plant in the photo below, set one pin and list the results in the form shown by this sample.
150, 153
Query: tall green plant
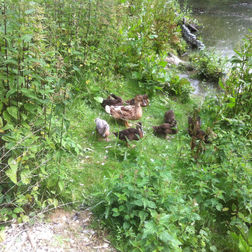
238, 85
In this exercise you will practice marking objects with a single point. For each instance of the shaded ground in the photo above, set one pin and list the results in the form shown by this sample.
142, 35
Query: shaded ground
61, 231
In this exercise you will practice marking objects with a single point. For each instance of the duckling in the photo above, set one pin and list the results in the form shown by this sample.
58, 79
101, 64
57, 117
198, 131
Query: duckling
164, 129
125, 113
144, 100
102, 128
169, 117
130, 133
112, 100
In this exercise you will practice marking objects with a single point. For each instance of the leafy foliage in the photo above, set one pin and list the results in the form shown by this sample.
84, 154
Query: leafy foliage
208, 65
238, 85
154, 197
141, 205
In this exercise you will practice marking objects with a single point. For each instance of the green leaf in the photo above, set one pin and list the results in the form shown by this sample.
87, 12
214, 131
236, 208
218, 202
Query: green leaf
30, 94
11, 92
165, 237
137, 202
12, 172
1, 122
221, 84
18, 210
6, 117
98, 99
243, 246
25, 177
27, 37
13, 111
30, 107
12, 175
162, 63
61, 185
250, 236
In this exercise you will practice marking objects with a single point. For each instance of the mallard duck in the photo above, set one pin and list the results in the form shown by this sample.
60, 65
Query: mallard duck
125, 113
193, 125
195, 132
144, 100
169, 117
202, 135
102, 128
164, 129
130, 133
112, 100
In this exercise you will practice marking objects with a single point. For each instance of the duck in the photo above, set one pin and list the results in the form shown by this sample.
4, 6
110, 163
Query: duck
193, 125
194, 131
102, 128
169, 117
144, 100
125, 113
112, 100
202, 135
130, 133
164, 129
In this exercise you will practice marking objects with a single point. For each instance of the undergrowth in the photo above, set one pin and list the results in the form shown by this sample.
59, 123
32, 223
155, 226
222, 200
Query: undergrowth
58, 60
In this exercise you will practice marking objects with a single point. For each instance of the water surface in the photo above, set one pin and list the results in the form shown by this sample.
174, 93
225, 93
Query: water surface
225, 22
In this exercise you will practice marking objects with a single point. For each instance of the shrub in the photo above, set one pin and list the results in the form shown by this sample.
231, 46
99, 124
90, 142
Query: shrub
208, 65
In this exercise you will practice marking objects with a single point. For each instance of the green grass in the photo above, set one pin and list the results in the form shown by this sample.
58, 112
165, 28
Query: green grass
100, 159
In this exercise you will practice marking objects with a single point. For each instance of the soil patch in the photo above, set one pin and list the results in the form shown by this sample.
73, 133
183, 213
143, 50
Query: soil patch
60, 231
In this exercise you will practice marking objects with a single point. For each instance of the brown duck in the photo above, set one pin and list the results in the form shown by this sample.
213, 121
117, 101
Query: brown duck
193, 125
164, 129
195, 132
144, 100
125, 113
169, 117
112, 100
130, 133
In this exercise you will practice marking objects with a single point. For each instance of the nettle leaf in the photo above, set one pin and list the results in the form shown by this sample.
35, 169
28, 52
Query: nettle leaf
11, 61
137, 202
143, 215
165, 237
30, 94
13, 111
149, 229
7, 117
11, 92
12, 172
30, 107
61, 185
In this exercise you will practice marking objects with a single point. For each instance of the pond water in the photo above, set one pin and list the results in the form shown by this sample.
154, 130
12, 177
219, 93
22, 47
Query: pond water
225, 22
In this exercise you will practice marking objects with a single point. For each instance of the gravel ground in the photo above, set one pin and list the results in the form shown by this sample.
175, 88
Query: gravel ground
60, 231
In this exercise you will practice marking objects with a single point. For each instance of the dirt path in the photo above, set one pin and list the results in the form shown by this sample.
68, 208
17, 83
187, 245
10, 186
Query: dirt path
60, 231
